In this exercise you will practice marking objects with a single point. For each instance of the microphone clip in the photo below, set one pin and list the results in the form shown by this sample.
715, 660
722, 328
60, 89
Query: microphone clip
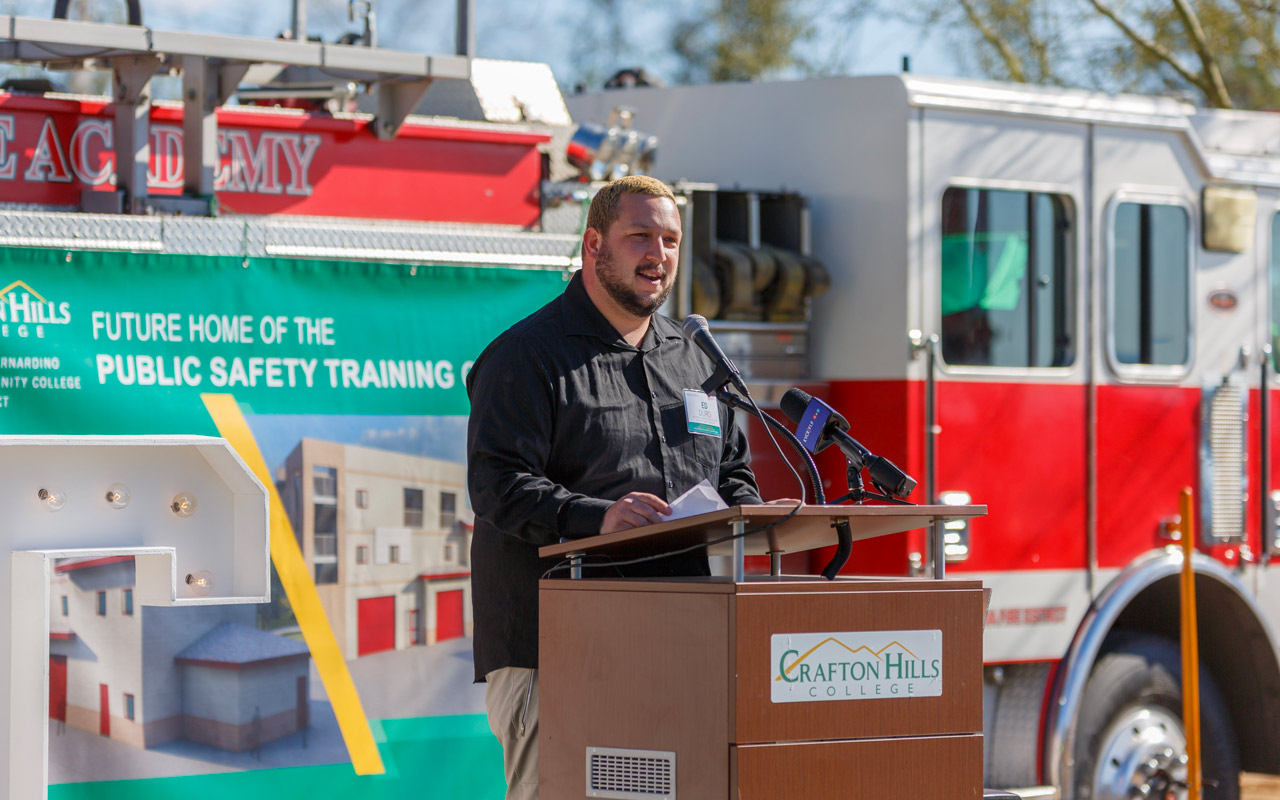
718, 380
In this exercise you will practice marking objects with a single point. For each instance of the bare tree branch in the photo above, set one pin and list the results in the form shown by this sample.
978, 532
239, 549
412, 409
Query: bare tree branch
1011, 61
1039, 48
1269, 6
1154, 48
1262, 17
1217, 90
1226, 51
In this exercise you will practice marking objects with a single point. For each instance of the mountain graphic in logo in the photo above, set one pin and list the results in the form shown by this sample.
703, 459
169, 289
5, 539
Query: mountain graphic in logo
21, 304
22, 285
853, 651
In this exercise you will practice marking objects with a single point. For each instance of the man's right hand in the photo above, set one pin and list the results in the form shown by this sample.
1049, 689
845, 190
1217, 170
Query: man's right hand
634, 510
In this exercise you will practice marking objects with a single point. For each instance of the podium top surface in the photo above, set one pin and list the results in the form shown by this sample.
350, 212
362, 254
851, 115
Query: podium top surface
812, 527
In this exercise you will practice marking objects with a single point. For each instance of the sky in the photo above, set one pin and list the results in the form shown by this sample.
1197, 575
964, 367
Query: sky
437, 437
532, 30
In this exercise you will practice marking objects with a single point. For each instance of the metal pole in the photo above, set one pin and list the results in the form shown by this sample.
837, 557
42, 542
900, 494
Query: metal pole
575, 569
739, 551
1190, 650
300, 20
466, 36
775, 563
939, 550
937, 534
131, 79
199, 128
1267, 540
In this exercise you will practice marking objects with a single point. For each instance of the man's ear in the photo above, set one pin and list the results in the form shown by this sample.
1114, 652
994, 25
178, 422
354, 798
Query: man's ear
591, 240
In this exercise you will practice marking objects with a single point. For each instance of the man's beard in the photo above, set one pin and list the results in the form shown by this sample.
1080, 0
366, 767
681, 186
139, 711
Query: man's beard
611, 277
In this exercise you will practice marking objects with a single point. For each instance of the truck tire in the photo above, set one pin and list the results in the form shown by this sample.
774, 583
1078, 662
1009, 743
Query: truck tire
1130, 732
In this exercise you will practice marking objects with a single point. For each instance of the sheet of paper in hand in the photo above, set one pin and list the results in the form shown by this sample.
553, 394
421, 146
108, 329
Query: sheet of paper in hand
700, 499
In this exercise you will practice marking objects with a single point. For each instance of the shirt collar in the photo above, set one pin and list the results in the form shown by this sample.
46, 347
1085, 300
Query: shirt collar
582, 318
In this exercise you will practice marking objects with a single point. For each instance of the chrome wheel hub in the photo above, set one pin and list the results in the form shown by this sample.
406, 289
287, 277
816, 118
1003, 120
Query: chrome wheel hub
1143, 755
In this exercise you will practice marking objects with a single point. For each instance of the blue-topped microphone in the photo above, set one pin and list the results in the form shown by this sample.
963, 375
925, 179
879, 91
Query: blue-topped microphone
696, 330
818, 425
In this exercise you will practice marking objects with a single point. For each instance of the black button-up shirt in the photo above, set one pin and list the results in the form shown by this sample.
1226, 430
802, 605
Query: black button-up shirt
566, 418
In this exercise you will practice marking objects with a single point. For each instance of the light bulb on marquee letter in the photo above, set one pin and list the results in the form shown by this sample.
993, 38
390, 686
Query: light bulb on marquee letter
184, 504
201, 582
52, 497
118, 495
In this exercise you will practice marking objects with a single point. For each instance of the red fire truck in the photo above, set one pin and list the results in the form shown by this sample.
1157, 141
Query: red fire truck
1055, 303
1062, 305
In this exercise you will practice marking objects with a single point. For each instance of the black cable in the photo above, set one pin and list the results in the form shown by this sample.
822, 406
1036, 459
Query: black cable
777, 447
568, 563
844, 548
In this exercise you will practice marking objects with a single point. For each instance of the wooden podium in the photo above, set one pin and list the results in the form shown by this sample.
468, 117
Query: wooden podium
768, 688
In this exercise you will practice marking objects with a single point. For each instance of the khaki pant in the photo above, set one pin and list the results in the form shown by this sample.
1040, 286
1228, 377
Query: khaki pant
511, 700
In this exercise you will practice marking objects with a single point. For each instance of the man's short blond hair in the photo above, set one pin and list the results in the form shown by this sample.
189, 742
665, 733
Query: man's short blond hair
604, 206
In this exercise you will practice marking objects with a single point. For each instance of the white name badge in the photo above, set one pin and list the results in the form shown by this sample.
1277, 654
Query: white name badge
702, 412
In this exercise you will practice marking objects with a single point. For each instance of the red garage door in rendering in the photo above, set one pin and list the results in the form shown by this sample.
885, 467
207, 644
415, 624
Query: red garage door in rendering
58, 688
448, 615
376, 618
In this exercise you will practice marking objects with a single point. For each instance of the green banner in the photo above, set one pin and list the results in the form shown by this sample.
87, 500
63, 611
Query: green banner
350, 376
110, 343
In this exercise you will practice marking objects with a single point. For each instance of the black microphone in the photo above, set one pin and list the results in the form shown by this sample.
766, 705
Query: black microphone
818, 425
696, 330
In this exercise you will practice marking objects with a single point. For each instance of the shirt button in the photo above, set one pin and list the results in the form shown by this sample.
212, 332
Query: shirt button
654, 395
664, 439
671, 484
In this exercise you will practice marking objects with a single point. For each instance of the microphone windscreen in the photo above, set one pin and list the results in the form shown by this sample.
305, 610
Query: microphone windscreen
794, 403
692, 324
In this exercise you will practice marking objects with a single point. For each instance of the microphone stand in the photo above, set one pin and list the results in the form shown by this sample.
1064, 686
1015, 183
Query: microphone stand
844, 536
857, 494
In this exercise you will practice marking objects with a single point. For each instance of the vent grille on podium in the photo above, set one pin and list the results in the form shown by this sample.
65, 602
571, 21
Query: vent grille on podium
622, 774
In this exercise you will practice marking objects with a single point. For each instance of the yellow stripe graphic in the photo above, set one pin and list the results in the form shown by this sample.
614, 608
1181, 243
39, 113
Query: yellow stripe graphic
852, 651
301, 591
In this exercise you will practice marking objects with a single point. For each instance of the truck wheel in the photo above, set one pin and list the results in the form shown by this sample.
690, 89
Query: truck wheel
1130, 740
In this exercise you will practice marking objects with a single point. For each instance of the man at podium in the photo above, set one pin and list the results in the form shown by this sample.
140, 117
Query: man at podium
586, 418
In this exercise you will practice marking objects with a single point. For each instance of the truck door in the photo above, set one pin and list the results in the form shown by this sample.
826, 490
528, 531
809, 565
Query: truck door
1148, 400
1002, 238
1178, 346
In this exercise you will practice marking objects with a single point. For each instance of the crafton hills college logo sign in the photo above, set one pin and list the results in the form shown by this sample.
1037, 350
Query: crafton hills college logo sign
815, 667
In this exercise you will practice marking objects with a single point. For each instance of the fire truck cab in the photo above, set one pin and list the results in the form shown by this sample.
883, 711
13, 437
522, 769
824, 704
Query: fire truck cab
1060, 304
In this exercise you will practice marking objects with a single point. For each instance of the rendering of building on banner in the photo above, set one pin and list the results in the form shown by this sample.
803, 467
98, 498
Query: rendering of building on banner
147, 675
388, 539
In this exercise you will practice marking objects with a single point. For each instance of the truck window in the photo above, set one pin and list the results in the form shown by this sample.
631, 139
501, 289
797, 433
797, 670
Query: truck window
1006, 286
1150, 284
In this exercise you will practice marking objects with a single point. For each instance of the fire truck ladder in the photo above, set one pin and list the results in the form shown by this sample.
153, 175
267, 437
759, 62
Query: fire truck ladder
212, 67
